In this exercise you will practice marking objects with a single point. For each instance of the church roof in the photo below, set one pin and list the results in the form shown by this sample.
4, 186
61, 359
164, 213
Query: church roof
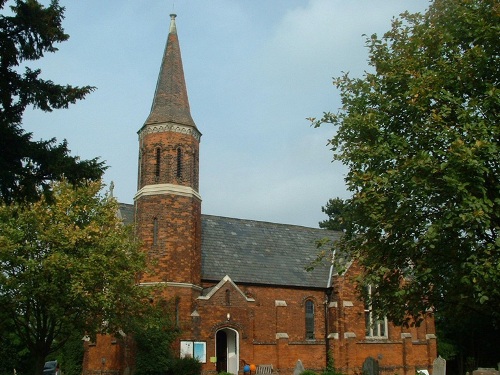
257, 252
170, 102
260, 252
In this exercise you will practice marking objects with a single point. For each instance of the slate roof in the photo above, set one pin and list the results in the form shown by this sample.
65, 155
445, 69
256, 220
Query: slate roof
260, 252
126, 213
257, 252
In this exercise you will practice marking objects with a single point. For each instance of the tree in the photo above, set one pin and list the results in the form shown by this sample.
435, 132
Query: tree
336, 210
67, 265
420, 137
153, 337
26, 166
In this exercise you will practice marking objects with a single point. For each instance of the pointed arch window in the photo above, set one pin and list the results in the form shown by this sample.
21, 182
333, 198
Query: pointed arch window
375, 327
158, 164
179, 162
309, 307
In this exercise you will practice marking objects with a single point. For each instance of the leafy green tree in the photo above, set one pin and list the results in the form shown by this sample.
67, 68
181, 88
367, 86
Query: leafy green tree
68, 265
153, 336
70, 356
27, 167
420, 136
13, 354
468, 342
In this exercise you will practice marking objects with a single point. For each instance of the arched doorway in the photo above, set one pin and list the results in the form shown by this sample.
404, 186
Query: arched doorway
226, 350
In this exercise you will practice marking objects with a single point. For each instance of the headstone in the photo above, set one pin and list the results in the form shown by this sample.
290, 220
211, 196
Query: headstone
439, 366
370, 366
299, 368
485, 371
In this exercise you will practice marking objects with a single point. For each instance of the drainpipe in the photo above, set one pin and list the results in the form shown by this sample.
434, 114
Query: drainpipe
328, 297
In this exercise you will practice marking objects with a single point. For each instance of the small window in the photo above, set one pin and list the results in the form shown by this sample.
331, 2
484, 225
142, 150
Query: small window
309, 320
158, 164
155, 231
228, 297
375, 327
179, 162
177, 312
195, 174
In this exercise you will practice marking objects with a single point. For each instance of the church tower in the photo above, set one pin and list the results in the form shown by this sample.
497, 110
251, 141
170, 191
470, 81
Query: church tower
167, 203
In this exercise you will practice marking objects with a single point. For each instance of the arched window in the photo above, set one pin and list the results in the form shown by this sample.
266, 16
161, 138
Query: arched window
179, 162
374, 326
158, 164
309, 320
155, 231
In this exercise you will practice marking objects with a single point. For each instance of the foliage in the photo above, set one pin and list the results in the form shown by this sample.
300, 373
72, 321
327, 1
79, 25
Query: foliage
26, 167
468, 343
67, 266
153, 334
184, 366
70, 356
336, 209
13, 354
420, 137
330, 367
308, 372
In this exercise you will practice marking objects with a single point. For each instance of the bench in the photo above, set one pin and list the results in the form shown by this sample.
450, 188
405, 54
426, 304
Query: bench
264, 370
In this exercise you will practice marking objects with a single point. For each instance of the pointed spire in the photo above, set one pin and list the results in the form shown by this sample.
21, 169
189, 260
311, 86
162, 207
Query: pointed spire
170, 102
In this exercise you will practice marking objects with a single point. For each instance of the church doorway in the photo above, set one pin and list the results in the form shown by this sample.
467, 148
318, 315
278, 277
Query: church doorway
226, 350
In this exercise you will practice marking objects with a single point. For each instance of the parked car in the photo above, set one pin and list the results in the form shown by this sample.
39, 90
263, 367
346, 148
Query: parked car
51, 368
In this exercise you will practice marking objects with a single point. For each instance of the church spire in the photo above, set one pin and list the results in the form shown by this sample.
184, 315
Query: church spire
170, 102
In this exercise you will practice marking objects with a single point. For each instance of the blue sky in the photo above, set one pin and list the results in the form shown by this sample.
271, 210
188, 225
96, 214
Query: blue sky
255, 70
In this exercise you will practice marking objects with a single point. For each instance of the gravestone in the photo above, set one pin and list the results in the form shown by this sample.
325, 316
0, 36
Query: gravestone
439, 366
299, 368
485, 371
370, 366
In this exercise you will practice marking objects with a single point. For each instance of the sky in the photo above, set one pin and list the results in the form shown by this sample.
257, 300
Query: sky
254, 70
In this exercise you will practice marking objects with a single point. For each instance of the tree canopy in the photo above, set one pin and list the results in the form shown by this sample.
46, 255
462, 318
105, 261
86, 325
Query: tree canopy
27, 32
67, 265
336, 209
420, 136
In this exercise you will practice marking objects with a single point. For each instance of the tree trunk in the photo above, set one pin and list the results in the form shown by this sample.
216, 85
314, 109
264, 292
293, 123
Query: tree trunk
39, 363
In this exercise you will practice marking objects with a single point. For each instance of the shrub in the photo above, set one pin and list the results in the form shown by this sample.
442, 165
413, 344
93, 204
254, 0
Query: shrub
184, 366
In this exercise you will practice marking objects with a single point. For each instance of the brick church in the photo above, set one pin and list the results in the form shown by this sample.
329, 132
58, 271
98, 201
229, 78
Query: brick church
242, 293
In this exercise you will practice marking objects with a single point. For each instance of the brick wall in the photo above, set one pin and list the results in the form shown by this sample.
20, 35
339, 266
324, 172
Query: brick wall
270, 324
176, 255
